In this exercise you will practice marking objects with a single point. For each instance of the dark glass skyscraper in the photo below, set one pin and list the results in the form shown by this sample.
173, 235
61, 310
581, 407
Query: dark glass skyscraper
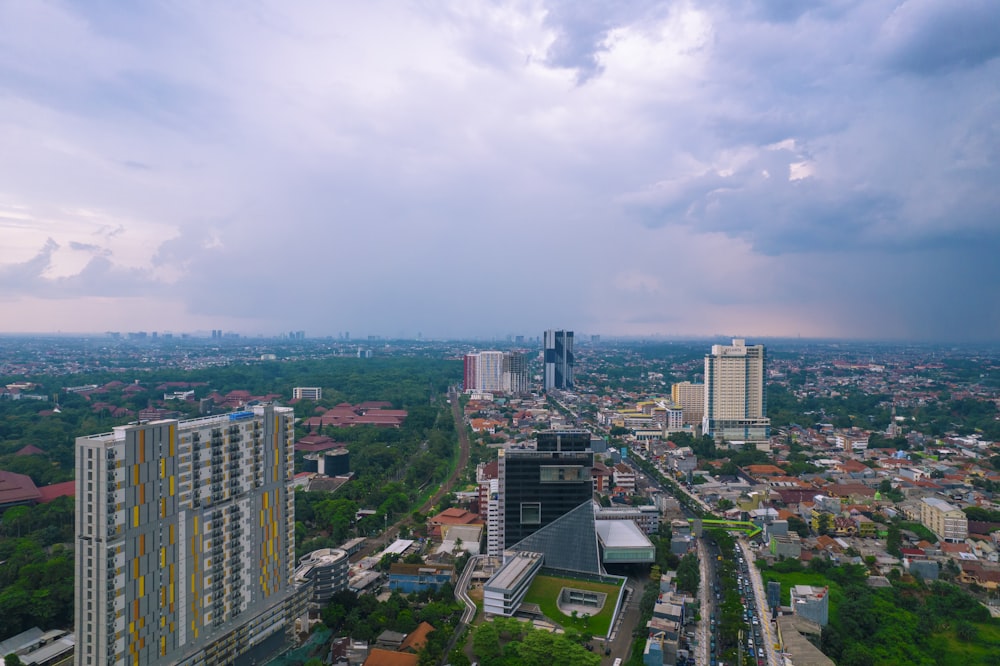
558, 360
539, 486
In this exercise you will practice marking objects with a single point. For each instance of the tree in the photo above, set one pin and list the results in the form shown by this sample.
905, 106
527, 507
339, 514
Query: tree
824, 523
894, 541
966, 631
12, 660
798, 526
688, 573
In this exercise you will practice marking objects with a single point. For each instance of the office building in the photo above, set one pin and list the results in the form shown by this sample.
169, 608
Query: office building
328, 569
558, 360
185, 540
735, 403
537, 486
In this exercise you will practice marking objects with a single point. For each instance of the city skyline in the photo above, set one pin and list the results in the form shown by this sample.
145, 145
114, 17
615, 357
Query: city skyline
818, 169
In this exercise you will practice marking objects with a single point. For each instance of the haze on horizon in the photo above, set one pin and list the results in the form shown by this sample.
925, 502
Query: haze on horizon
770, 167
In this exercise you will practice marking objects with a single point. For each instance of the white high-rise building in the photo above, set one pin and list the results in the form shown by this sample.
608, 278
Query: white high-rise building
489, 371
496, 371
735, 402
185, 540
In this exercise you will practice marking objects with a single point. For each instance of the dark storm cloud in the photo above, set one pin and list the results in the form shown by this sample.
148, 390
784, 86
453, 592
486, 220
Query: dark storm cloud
388, 168
928, 37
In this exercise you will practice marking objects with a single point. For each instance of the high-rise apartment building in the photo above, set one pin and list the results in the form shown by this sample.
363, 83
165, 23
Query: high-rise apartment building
735, 403
515, 373
496, 371
558, 357
537, 486
469, 365
691, 398
489, 371
185, 540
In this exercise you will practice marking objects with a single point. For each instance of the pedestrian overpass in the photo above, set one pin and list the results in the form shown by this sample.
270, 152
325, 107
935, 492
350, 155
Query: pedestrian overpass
749, 529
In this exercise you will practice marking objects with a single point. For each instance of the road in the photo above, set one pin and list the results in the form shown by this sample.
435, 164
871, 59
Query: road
703, 629
763, 615
463, 461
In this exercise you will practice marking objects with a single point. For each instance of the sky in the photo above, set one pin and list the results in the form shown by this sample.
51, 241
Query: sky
738, 167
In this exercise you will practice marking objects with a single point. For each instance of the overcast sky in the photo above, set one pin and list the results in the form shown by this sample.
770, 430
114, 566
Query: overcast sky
754, 167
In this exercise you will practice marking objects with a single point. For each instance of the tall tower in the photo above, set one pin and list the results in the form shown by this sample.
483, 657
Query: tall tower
515, 372
558, 360
535, 487
489, 371
185, 539
735, 403
469, 380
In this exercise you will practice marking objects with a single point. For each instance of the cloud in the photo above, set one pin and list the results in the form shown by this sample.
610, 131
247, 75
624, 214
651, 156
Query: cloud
925, 37
696, 166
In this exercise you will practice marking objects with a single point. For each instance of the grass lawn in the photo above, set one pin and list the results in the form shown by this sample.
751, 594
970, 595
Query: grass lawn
476, 594
545, 590
955, 652
919, 530
789, 580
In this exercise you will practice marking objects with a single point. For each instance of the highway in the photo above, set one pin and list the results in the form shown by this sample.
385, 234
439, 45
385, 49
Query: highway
762, 610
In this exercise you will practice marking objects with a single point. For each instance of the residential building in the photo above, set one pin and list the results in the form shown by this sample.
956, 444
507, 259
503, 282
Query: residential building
946, 520
558, 358
812, 603
735, 402
469, 364
624, 477
185, 540
691, 399
307, 393
489, 371
495, 371
514, 378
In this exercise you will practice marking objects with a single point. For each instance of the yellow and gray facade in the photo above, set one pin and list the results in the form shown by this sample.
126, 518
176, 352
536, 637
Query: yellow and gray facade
185, 539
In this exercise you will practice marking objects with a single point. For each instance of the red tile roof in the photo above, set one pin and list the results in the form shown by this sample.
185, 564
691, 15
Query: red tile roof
17, 489
417, 638
380, 657
51, 492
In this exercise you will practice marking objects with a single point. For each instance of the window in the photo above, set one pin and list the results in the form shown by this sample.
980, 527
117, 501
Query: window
561, 473
531, 513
